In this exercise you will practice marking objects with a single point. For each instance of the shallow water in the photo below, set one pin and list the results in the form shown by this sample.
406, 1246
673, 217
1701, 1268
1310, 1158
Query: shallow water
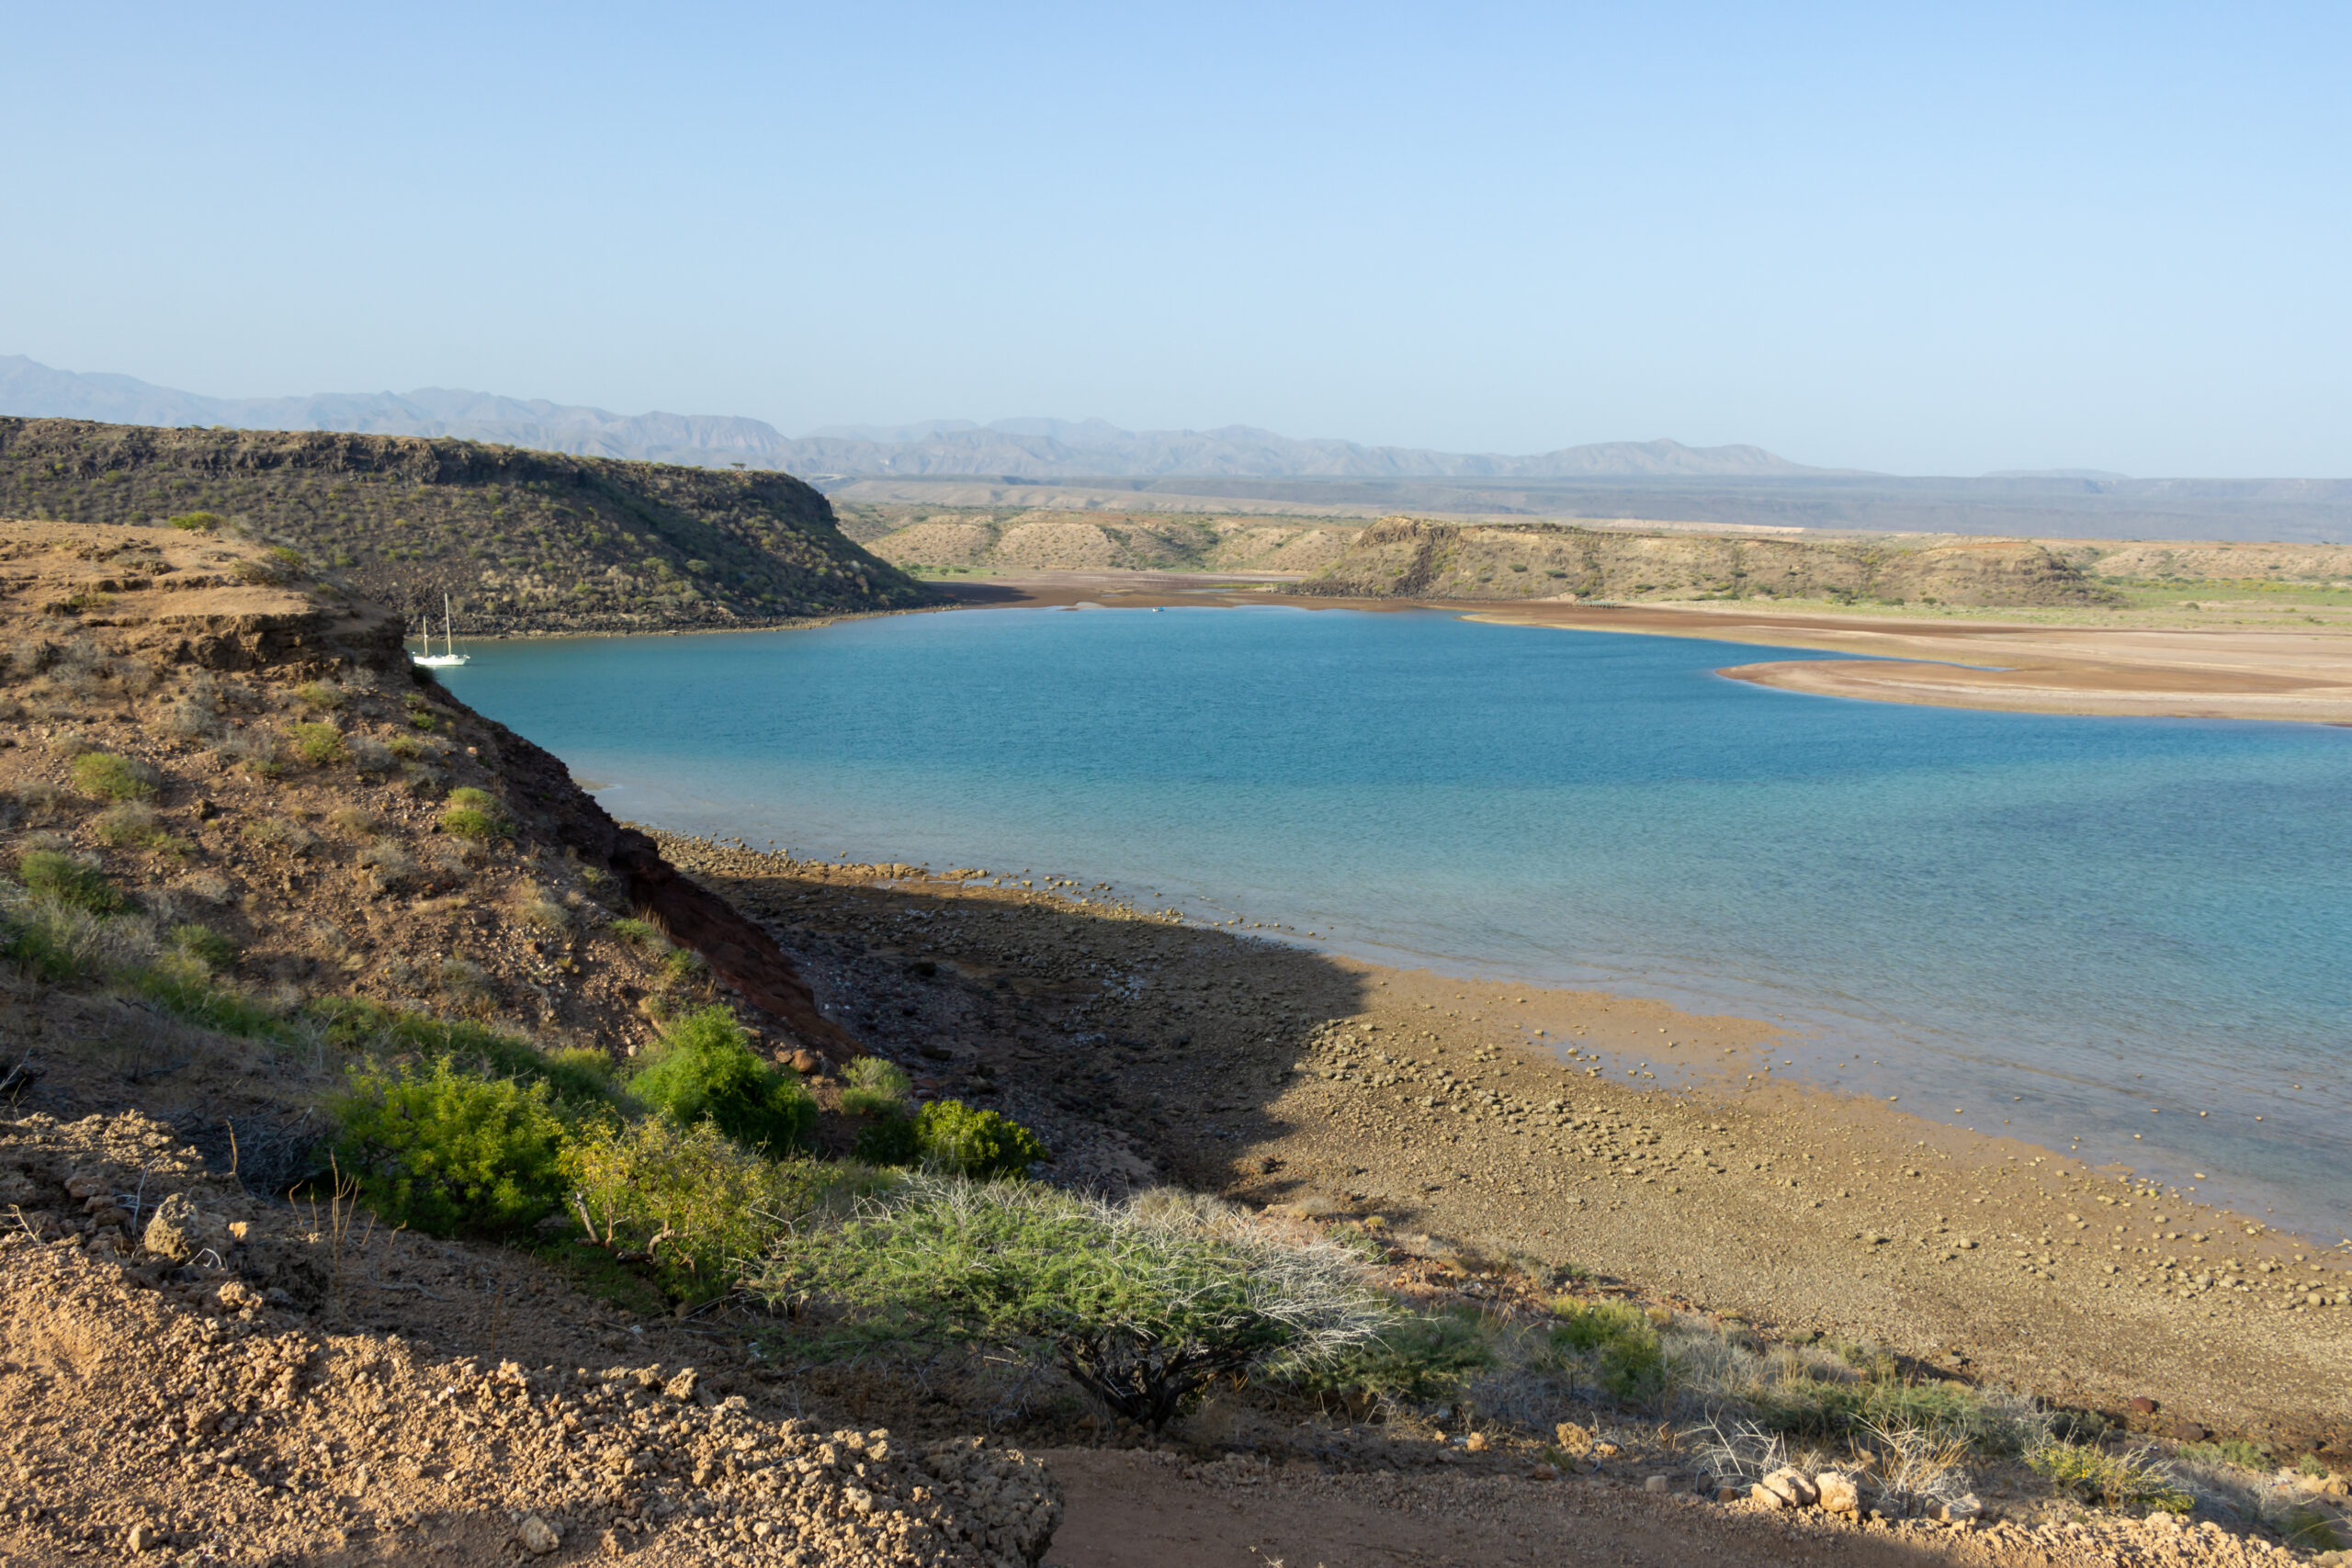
2075, 929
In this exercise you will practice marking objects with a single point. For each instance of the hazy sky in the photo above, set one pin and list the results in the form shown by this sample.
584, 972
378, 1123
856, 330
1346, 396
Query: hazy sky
1930, 240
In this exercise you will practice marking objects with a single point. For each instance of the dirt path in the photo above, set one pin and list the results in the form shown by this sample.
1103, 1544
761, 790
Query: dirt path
1149, 1510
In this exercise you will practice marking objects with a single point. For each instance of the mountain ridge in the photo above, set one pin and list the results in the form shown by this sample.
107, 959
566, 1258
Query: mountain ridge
1013, 448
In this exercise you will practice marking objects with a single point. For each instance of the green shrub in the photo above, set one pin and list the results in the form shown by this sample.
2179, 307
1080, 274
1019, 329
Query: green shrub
1144, 1303
131, 825
578, 1076
197, 522
2091, 1475
109, 777
1417, 1358
970, 1142
205, 945
318, 744
475, 814
877, 1087
469, 823
319, 696
700, 1205
639, 934
1619, 1342
704, 1071
450, 1153
181, 983
55, 941
68, 880
2228, 1450
888, 1140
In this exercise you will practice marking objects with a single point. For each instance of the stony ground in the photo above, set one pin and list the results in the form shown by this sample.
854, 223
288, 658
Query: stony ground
204, 1377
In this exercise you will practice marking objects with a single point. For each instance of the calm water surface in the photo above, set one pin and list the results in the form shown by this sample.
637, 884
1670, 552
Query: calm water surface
2102, 927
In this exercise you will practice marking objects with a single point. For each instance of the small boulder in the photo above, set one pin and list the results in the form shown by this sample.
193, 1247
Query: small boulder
1759, 1493
683, 1385
1961, 1509
145, 1537
1658, 1483
1837, 1492
538, 1535
1791, 1485
181, 1232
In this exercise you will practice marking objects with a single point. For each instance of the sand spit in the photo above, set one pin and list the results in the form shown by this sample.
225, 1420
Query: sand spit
2123, 671
1281, 1075
2301, 675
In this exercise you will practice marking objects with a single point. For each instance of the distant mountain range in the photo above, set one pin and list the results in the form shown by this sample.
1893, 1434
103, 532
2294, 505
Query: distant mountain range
1010, 448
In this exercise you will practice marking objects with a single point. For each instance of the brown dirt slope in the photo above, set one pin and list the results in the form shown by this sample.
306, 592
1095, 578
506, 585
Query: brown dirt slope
1412, 558
526, 541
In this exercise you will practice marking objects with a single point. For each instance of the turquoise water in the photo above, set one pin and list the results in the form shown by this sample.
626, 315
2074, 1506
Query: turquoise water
2101, 926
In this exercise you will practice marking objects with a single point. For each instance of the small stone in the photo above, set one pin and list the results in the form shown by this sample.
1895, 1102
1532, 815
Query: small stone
1791, 1485
1659, 1484
681, 1386
1759, 1493
1837, 1492
1961, 1509
181, 1232
538, 1535
1474, 1443
2144, 1405
145, 1537
1543, 1472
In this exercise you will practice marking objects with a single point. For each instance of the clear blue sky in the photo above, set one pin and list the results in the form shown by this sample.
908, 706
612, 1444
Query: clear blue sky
1924, 239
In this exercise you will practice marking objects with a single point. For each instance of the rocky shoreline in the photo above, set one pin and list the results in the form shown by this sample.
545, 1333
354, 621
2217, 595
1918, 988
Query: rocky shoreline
1502, 1118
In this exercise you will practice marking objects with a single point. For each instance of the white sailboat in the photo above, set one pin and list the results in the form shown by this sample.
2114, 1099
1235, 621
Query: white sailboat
448, 640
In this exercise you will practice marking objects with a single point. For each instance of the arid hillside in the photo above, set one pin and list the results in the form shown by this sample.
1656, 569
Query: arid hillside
1413, 558
983, 541
523, 540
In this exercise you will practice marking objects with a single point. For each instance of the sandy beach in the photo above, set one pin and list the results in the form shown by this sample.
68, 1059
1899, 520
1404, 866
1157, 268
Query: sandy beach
1509, 1120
